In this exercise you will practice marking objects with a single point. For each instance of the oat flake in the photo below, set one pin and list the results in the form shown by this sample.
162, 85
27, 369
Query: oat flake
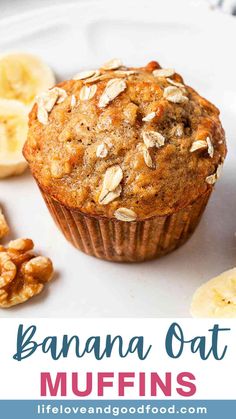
198, 145
87, 92
210, 147
125, 72
153, 139
97, 77
42, 115
111, 182
62, 95
163, 72
175, 83
110, 196
174, 94
211, 180
47, 99
179, 130
149, 117
147, 158
112, 64
125, 214
82, 75
46, 102
101, 150
113, 177
113, 88
73, 101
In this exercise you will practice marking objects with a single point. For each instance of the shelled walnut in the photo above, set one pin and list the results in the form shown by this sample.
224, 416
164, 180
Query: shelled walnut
22, 274
4, 229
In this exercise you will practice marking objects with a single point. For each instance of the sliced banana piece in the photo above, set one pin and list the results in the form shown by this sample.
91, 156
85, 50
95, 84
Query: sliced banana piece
217, 297
13, 133
23, 76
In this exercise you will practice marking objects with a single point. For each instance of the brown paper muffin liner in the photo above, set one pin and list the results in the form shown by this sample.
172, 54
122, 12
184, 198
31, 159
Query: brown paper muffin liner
120, 241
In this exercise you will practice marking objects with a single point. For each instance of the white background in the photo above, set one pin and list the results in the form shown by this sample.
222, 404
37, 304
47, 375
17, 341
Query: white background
21, 380
12, 7
179, 33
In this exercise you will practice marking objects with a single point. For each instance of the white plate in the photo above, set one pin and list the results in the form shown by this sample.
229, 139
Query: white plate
82, 35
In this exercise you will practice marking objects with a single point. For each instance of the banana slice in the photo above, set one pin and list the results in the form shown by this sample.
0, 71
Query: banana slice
217, 297
23, 76
13, 133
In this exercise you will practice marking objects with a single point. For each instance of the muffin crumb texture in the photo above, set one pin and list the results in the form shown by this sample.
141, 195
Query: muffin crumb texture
125, 143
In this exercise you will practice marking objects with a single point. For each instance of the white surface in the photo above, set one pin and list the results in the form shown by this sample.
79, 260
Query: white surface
195, 41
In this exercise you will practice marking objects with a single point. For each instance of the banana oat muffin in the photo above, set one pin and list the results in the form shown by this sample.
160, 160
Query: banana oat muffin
126, 159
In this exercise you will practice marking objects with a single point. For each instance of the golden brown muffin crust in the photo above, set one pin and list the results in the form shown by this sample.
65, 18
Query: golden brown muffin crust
69, 156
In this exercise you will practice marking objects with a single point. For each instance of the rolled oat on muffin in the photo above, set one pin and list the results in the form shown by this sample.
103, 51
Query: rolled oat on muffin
127, 171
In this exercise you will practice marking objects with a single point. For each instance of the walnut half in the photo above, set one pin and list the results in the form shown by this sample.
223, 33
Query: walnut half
4, 229
22, 274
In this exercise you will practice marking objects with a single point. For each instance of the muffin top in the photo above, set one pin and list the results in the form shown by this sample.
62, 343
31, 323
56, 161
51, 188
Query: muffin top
122, 142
